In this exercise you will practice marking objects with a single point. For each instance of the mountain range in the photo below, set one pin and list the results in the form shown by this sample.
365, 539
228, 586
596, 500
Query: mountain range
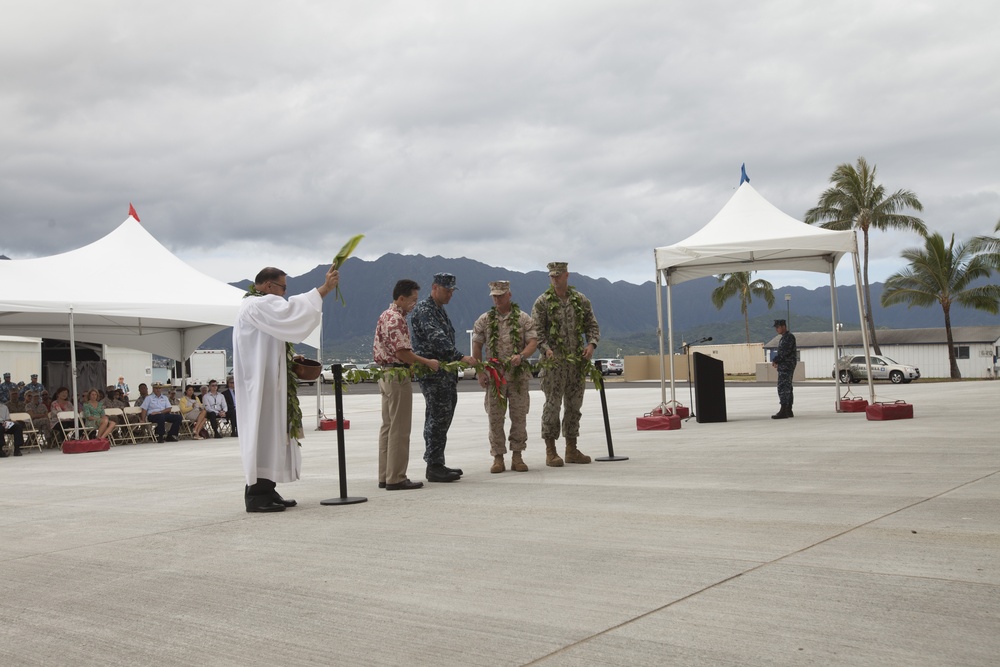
626, 311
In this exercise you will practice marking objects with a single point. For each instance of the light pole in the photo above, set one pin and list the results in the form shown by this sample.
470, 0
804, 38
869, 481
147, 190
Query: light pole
788, 310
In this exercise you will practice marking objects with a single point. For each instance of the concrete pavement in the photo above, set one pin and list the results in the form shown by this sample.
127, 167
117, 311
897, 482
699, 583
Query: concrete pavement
825, 539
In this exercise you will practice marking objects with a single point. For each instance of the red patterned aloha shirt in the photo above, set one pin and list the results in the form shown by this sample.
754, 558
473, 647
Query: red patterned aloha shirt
391, 335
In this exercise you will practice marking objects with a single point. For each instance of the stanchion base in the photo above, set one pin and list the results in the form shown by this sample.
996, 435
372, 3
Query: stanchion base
611, 458
343, 501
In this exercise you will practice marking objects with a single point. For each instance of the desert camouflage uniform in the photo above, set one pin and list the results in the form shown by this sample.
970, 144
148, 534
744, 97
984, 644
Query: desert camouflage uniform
786, 360
434, 338
516, 389
564, 384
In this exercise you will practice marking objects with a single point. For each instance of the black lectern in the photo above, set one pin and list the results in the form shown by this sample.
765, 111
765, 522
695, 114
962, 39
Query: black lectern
709, 389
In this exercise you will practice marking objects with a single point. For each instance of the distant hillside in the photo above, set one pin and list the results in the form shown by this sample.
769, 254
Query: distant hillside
625, 311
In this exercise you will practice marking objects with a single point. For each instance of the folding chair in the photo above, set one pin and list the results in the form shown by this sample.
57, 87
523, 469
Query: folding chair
187, 426
66, 427
121, 434
32, 438
139, 430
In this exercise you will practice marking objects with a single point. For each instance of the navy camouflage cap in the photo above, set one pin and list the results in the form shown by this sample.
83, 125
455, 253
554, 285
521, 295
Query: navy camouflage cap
779, 323
445, 280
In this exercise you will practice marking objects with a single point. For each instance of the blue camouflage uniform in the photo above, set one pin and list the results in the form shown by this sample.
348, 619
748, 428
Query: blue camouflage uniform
786, 360
5, 389
434, 338
35, 386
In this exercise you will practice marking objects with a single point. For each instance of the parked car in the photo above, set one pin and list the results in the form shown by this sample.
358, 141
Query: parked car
327, 375
852, 369
612, 366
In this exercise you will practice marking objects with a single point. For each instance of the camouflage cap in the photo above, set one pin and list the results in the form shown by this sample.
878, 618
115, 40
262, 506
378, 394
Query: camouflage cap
779, 323
6, 375
499, 287
558, 268
445, 280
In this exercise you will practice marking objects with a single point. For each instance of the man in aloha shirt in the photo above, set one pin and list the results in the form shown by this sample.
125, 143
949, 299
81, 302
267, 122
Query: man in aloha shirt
392, 349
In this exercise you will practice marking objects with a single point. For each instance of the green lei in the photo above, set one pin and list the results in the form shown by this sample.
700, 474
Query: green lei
555, 337
493, 321
294, 410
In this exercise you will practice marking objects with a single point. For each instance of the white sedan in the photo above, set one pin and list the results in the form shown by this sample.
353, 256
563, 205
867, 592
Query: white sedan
852, 369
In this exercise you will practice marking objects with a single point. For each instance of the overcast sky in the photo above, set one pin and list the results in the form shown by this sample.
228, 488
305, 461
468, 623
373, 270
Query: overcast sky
251, 133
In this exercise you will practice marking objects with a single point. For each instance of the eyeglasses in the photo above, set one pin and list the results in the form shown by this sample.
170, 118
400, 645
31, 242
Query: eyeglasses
284, 288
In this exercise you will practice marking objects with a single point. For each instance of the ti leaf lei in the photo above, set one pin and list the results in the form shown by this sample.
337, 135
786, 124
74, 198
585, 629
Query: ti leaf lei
493, 322
294, 411
557, 341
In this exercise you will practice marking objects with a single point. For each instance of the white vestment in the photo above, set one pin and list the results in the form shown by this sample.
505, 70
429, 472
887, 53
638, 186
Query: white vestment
264, 324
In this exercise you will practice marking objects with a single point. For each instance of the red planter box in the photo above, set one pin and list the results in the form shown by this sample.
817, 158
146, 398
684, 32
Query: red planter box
853, 404
83, 446
887, 411
680, 411
331, 424
657, 423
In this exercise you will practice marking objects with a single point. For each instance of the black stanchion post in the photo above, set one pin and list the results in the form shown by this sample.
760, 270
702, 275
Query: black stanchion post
338, 378
607, 428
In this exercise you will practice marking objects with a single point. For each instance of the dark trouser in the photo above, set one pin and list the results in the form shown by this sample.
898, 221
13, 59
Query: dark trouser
785, 396
213, 419
440, 398
160, 422
17, 430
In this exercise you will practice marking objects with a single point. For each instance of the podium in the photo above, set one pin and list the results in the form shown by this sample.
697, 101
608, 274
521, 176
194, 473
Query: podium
709, 389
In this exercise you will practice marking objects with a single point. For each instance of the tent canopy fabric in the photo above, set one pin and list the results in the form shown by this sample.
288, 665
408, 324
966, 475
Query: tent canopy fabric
750, 234
125, 289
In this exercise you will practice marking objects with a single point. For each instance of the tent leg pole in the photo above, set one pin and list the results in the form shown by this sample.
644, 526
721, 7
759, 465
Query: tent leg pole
864, 327
670, 352
659, 336
833, 314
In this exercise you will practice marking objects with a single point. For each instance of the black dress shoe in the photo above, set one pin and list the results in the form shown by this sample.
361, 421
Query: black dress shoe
457, 471
438, 473
17, 452
159, 439
381, 485
278, 500
171, 438
405, 485
3, 454
263, 504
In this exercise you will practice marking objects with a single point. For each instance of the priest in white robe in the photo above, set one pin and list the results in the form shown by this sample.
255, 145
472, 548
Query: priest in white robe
265, 324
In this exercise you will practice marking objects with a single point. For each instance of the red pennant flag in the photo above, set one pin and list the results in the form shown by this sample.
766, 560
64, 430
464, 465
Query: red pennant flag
131, 212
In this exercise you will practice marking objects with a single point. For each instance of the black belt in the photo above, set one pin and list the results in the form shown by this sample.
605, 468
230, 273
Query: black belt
395, 365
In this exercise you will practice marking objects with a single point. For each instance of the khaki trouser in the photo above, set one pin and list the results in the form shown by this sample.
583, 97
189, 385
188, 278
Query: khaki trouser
518, 403
394, 436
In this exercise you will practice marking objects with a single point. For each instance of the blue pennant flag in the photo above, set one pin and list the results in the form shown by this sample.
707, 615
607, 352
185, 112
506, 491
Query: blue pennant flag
743, 174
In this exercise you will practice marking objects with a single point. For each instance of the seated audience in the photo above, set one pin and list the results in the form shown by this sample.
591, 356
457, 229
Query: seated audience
16, 430
157, 410
215, 406
39, 414
143, 393
230, 395
193, 411
94, 417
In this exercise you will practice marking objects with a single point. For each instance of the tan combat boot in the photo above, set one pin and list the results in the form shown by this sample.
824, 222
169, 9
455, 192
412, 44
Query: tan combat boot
498, 465
574, 455
517, 464
551, 456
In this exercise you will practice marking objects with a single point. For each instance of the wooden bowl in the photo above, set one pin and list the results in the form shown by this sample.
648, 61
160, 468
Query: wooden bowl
307, 370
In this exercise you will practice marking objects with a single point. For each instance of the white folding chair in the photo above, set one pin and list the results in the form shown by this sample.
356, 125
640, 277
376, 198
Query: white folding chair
32, 438
187, 426
121, 434
66, 427
139, 430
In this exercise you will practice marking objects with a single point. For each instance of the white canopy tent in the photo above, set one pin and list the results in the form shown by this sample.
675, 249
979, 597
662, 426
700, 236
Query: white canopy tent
154, 302
750, 234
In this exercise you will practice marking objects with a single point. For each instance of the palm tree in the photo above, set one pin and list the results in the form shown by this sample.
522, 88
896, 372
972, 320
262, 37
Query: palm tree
939, 274
739, 284
856, 201
989, 246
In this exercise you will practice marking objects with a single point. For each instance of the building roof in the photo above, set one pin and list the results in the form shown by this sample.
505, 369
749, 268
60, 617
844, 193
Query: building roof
932, 336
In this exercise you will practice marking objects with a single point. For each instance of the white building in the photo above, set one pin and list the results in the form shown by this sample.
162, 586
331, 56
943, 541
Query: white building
976, 349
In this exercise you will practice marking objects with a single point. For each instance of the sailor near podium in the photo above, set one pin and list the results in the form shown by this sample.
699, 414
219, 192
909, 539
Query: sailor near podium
785, 360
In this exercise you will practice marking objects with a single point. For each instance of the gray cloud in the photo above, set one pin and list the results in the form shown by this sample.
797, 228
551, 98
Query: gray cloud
512, 133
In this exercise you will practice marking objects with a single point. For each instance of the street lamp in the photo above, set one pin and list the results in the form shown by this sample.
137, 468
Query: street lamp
788, 310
